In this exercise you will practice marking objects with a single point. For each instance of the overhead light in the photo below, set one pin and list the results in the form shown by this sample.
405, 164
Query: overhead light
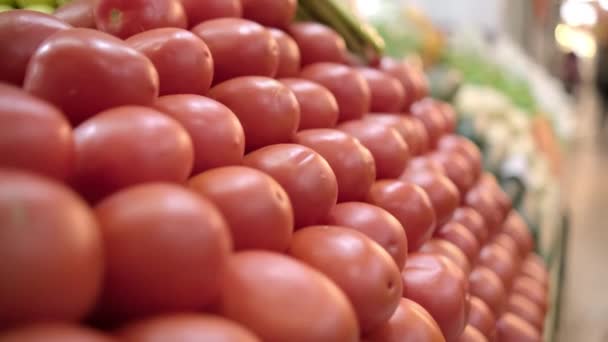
576, 40
577, 13
603, 4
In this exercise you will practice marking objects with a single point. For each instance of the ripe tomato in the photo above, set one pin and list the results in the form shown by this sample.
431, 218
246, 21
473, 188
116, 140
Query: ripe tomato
439, 286
159, 239
275, 13
461, 237
51, 246
388, 148
535, 268
410, 323
387, 94
402, 124
226, 38
184, 327
359, 266
460, 144
511, 328
402, 71
124, 18
482, 318
501, 261
428, 112
62, 68
508, 243
532, 290
265, 223
457, 169
318, 106
524, 308
306, 177
318, 43
182, 60
422, 134
449, 115
267, 109
78, 13
53, 332
351, 162
410, 205
34, 135
485, 284
21, 33
376, 223
289, 54
488, 181
216, 133
471, 334
265, 291
448, 250
345, 83
423, 164
483, 202
474, 222
518, 230
198, 11
442, 192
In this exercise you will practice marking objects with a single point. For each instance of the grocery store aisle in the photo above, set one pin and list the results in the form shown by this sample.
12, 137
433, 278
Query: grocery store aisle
585, 306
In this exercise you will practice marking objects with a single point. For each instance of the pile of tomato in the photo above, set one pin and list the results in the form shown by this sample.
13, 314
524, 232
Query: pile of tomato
184, 170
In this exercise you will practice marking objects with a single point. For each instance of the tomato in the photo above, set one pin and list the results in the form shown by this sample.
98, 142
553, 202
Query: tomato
501, 261
21, 33
460, 236
186, 327
51, 246
532, 290
216, 133
488, 181
289, 54
267, 109
53, 332
423, 164
518, 230
482, 318
182, 60
282, 299
124, 18
345, 83
62, 68
403, 126
360, 267
126, 146
376, 223
457, 169
460, 144
448, 250
509, 244
402, 71
427, 111
306, 177
423, 135
159, 239
471, 334
198, 11
443, 193
275, 13
318, 106
410, 323
351, 162
535, 268
266, 223
227, 37
473, 221
318, 43
439, 286
388, 148
483, 202
78, 13
449, 114
524, 308
511, 328
485, 284
387, 94
410, 205
34, 135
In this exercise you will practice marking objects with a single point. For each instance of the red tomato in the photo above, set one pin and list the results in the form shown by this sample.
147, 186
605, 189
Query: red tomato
289, 54
78, 13
410, 205
186, 327
265, 223
217, 135
485, 284
460, 144
473, 221
51, 247
160, 239
535, 268
306, 177
457, 169
62, 68
265, 291
482, 318
183, 61
511, 328
518, 230
376, 223
53, 332
460, 236
387, 94
124, 18
318, 43
448, 250
21, 33
442, 192
524, 308
198, 11
532, 290
410, 78
318, 106
388, 148
351, 162
410, 323
510, 245
428, 112
449, 114
402, 124
482, 201
501, 261
439, 286
359, 266
34, 135
503, 200
275, 13
423, 164
267, 109
227, 37
471, 334
423, 135
346, 84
